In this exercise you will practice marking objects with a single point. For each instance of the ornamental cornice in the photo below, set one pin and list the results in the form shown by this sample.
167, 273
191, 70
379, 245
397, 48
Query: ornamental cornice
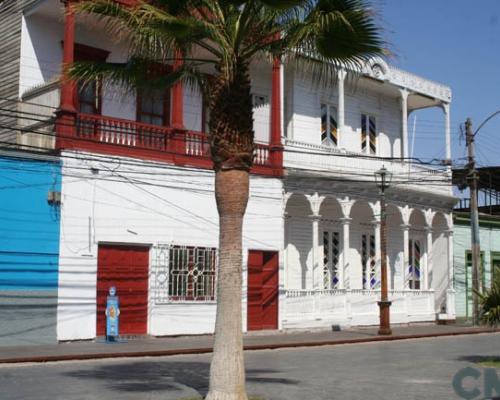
418, 84
378, 69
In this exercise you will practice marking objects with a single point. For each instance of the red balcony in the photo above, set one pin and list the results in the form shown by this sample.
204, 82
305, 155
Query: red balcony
120, 137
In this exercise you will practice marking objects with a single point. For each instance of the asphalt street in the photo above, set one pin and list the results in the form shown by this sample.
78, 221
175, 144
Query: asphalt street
410, 369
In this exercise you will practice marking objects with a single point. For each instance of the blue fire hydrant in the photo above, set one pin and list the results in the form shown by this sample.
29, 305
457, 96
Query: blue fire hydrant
112, 315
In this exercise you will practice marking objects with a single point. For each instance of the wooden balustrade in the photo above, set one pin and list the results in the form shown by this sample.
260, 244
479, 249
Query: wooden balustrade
122, 137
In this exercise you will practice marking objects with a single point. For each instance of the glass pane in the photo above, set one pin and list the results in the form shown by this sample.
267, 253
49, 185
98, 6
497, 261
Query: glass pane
146, 103
145, 118
324, 122
157, 121
363, 133
87, 108
373, 136
333, 126
158, 102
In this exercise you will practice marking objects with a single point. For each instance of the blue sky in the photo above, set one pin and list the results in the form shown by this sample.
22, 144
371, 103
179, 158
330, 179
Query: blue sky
455, 42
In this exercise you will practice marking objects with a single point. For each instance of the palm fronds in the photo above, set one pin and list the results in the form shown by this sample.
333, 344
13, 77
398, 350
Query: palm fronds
490, 304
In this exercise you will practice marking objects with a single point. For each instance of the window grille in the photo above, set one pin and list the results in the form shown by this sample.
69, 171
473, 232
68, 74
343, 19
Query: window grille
331, 250
368, 134
329, 132
184, 273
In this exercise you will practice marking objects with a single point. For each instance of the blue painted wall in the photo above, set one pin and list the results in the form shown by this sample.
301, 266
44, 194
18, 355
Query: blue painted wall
29, 226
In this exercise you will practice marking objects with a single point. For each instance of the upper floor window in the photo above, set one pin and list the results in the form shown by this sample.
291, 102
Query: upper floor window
329, 132
89, 94
368, 134
153, 106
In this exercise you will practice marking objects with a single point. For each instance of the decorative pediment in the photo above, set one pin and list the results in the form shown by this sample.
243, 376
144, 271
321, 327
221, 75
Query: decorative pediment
377, 68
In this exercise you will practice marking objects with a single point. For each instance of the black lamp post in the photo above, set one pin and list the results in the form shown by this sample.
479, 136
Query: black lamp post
383, 179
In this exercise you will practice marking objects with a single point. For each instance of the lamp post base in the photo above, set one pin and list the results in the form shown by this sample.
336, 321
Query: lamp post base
385, 322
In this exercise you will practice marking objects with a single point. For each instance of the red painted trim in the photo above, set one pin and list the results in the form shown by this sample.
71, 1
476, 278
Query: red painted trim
177, 97
276, 149
68, 89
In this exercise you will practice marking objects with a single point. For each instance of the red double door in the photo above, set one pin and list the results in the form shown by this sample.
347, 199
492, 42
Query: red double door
126, 268
263, 283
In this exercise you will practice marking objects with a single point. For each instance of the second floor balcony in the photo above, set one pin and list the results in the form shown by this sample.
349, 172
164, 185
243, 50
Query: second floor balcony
323, 130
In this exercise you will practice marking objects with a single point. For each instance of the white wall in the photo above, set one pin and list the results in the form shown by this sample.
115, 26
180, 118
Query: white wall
303, 119
261, 76
41, 52
170, 205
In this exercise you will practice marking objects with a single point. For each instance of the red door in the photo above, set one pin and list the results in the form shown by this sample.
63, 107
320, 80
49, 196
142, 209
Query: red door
126, 268
262, 312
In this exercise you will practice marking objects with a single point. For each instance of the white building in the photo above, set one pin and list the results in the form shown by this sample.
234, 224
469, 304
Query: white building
138, 210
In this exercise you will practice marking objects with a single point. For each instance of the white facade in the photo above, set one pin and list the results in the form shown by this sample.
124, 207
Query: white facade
322, 217
131, 202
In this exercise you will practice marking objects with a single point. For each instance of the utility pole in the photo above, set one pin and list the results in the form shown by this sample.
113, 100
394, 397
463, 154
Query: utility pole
472, 178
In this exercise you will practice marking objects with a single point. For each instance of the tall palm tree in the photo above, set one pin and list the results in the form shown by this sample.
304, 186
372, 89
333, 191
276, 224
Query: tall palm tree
317, 36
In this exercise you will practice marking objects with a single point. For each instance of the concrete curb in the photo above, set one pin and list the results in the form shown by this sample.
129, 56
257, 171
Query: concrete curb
204, 350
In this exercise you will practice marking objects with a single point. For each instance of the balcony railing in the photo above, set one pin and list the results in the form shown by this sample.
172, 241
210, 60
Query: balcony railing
135, 139
356, 166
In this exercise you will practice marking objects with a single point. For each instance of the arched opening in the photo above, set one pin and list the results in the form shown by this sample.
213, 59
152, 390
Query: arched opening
438, 275
363, 248
298, 242
395, 245
414, 275
330, 244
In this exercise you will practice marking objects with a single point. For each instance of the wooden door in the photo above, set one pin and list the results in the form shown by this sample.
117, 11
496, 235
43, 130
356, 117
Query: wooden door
126, 268
263, 282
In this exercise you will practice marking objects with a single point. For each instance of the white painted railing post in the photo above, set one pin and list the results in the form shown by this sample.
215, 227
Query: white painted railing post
341, 109
406, 253
428, 266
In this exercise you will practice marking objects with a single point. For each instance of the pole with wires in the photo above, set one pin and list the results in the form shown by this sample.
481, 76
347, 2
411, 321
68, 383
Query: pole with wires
472, 178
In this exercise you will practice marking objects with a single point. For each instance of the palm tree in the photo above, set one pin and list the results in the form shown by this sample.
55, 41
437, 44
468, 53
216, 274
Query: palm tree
490, 303
317, 36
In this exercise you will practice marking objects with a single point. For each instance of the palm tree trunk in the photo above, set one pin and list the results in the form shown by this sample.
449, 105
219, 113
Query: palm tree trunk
227, 371
231, 143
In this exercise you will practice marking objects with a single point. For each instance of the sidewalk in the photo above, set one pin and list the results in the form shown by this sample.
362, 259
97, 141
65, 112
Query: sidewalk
150, 346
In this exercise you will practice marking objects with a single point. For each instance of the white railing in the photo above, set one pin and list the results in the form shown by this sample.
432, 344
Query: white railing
358, 167
321, 308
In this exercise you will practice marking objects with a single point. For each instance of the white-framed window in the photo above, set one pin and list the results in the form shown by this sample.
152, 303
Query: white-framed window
184, 273
368, 134
331, 252
368, 262
329, 131
414, 272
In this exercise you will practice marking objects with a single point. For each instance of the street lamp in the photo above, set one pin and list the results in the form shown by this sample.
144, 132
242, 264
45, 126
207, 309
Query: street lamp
383, 179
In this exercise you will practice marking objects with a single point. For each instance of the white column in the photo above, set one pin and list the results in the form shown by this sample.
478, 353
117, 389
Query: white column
315, 252
406, 252
428, 267
451, 272
344, 273
378, 264
447, 129
450, 293
341, 109
404, 124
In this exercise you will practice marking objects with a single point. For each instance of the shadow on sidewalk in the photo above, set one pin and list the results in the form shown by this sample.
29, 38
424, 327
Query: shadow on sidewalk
165, 376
